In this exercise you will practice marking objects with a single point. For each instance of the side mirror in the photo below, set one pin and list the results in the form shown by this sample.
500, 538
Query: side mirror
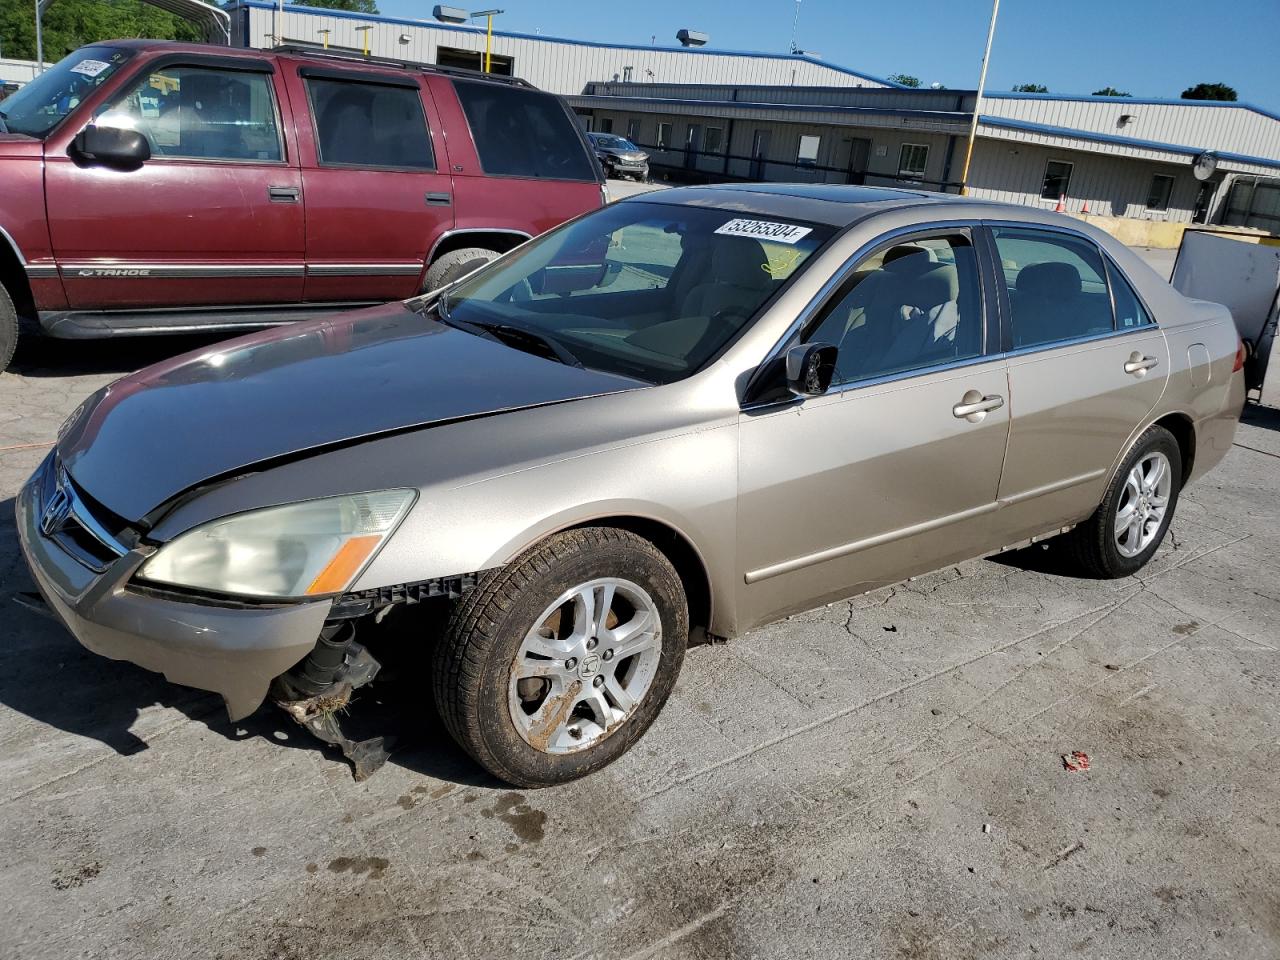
113, 146
810, 368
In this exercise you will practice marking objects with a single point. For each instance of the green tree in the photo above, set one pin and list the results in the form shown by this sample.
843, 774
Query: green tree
906, 79
1111, 92
1209, 91
355, 6
69, 24
1031, 88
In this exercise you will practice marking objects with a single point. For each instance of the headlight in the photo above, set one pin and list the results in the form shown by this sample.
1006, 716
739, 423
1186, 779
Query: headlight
300, 550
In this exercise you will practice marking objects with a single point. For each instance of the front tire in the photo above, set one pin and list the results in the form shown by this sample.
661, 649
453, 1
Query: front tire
557, 663
456, 264
8, 329
1129, 525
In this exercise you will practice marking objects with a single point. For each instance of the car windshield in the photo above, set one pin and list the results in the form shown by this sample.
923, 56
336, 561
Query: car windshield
40, 106
614, 143
646, 290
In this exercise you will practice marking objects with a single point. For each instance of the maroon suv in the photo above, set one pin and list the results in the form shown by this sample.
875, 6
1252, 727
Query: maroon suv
155, 187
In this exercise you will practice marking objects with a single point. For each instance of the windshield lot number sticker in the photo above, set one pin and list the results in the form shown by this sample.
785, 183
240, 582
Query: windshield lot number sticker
90, 68
765, 230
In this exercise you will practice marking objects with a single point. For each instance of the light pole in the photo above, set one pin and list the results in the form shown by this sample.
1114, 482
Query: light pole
39, 41
795, 22
488, 34
977, 101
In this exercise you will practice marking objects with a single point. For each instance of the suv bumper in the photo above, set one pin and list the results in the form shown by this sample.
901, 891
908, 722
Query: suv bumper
232, 651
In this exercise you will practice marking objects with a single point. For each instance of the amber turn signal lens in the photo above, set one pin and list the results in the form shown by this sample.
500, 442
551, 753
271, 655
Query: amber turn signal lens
344, 565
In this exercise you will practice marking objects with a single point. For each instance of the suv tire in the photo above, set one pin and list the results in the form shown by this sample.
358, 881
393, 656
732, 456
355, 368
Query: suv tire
590, 625
1130, 523
455, 265
8, 329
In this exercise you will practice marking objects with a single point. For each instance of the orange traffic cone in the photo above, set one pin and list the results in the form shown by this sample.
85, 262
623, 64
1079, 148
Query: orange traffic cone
1062, 204
1085, 208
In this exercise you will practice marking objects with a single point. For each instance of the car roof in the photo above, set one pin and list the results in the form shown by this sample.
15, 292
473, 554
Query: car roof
840, 206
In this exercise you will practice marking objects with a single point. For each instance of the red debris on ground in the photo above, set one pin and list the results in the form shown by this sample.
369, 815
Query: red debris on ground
1076, 760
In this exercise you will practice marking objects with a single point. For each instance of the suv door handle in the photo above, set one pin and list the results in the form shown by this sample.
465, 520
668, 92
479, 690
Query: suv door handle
973, 406
1138, 365
438, 199
283, 194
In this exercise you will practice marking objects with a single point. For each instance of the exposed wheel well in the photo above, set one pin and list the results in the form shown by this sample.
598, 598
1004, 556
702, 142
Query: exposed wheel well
499, 242
693, 574
14, 279
1184, 432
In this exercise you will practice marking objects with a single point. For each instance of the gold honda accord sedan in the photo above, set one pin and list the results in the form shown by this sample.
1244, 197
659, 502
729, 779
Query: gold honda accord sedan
690, 412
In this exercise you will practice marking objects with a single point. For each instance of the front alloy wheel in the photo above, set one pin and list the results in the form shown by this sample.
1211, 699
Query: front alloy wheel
558, 662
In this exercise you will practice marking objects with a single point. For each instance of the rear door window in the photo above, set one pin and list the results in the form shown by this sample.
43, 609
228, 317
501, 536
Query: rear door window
370, 125
523, 133
1057, 286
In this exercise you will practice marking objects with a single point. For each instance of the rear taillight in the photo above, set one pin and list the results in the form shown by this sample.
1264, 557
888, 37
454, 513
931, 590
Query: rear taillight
1242, 352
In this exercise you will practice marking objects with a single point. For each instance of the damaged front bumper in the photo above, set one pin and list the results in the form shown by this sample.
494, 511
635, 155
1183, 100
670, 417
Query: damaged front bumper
232, 651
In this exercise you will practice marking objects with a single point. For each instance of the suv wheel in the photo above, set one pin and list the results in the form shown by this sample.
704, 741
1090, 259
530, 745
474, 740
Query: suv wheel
456, 264
8, 329
559, 662
1129, 525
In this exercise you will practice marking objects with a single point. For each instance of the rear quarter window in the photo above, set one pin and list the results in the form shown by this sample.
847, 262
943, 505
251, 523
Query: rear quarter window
523, 133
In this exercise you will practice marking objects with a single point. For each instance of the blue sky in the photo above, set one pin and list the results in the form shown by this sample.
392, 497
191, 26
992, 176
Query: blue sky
1154, 48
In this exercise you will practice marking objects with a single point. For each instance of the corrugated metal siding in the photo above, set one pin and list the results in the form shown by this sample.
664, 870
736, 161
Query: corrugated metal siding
558, 66
1233, 129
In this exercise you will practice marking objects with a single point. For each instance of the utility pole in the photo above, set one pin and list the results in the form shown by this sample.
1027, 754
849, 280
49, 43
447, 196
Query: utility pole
977, 102
39, 42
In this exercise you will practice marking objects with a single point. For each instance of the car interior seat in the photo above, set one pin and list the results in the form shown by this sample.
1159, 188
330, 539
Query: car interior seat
210, 125
346, 127
1047, 303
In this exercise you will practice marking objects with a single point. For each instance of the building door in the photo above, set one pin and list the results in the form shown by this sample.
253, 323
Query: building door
692, 144
759, 154
1204, 202
851, 157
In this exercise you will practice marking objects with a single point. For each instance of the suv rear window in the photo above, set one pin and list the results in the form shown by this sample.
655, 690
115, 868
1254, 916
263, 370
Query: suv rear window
523, 133
370, 125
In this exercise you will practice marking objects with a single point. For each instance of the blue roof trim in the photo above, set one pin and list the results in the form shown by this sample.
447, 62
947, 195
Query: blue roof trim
369, 18
1153, 101
956, 115
1121, 141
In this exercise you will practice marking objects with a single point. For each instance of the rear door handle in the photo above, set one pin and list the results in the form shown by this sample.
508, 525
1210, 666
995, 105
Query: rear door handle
283, 194
1137, 364
973, 406
439, 199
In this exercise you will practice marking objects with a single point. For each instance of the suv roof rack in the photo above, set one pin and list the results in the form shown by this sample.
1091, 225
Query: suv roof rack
341, 53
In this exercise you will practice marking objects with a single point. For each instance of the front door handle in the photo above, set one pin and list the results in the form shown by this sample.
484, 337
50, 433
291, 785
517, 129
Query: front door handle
1138, 365
283, 194
438, 199
973, 406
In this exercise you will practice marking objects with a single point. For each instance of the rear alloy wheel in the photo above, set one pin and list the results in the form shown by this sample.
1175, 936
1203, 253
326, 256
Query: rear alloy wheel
557, 663
456, 264
8, 329
1129, 525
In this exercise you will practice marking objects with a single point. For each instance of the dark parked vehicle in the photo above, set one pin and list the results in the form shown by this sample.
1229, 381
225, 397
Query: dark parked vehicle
619, 156
154, 187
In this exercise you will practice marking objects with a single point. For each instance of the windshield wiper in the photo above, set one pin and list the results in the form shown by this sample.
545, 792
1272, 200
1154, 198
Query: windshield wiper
513, 335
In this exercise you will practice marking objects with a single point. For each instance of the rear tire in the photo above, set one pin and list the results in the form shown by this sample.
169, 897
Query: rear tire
456, 264
8, 329
542, 676
1130, 523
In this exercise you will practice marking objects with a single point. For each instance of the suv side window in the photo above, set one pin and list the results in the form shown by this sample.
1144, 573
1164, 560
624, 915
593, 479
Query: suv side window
202, 113
911, 305
1129, 310
523, 133
1057, 286
370, 125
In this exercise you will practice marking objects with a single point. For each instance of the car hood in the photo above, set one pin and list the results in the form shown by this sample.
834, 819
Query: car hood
269, 397
623, 154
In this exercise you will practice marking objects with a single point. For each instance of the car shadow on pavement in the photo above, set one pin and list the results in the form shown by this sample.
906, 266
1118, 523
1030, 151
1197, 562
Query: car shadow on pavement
40, 356
52, 679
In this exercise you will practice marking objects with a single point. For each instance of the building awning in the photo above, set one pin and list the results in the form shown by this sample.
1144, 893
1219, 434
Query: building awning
213, 21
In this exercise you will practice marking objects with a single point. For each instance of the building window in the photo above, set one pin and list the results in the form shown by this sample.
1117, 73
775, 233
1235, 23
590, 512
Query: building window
807, 154
1161, 189
913, 160
606, 124
633, 130
714, 140
474, 60
664, 136
1057, 177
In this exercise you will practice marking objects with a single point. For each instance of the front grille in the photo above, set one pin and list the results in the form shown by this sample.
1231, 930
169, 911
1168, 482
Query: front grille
67, 518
